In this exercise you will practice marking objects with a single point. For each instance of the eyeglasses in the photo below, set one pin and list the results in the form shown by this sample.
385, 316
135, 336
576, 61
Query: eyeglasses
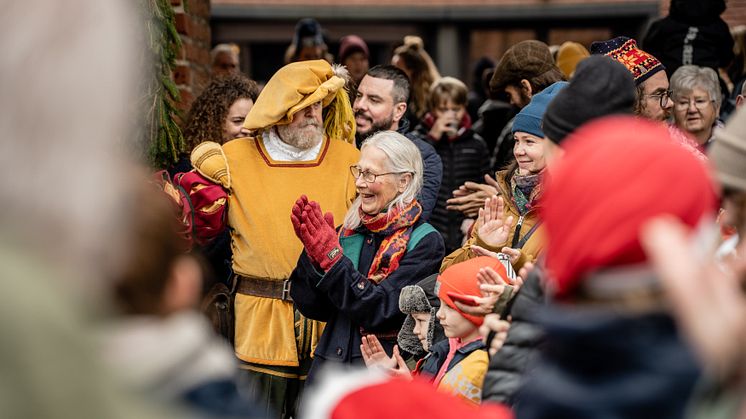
683, 103
368, 176
663, 97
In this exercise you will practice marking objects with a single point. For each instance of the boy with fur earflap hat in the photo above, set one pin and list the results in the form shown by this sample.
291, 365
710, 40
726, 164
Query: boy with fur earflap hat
458, 364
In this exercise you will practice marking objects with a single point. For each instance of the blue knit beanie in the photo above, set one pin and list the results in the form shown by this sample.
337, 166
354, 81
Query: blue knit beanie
529, 118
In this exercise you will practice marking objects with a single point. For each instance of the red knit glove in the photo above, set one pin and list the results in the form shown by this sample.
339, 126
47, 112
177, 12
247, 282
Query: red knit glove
296, 213
318, 236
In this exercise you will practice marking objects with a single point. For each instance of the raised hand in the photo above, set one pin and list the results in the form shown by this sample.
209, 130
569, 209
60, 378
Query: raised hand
491, 286
491, 227
318, 236
374, 355
514, 254
495, 328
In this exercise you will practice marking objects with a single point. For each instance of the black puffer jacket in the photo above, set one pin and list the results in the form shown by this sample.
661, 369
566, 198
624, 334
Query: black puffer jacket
464, 158
693, 33
508, 366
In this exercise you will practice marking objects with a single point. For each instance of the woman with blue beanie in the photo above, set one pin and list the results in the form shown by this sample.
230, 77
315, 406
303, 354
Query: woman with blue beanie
509, 223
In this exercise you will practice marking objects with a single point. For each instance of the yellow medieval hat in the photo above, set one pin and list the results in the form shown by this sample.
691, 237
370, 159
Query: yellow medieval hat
299, 85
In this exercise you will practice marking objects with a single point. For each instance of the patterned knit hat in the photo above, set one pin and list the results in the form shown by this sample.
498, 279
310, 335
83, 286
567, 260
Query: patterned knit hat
641, 64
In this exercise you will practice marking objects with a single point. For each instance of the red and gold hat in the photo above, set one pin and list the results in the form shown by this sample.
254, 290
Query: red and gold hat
641, 64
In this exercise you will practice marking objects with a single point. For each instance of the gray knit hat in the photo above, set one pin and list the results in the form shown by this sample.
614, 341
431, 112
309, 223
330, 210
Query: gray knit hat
728, 152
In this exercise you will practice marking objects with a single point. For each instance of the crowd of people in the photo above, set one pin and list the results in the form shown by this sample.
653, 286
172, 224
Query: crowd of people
561, 240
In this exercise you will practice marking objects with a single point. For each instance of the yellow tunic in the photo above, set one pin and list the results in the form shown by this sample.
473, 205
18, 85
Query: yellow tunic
264, 244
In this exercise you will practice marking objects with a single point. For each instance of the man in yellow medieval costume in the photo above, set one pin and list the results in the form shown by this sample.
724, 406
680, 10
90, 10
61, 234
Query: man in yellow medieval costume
303, 127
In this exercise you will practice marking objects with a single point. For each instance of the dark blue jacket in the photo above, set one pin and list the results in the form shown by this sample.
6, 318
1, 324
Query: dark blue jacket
432, 363
597, 363
348, 301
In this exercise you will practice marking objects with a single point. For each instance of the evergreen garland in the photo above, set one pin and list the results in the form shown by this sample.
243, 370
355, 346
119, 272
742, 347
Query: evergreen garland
163, 136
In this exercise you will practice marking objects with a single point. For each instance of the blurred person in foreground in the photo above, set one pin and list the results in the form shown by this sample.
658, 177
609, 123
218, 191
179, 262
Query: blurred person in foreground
64, 228
713, 317
352, 278
158, 341
302, 127
612, 347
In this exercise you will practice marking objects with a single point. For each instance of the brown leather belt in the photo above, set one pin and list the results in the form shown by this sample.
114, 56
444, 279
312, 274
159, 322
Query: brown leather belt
260, 287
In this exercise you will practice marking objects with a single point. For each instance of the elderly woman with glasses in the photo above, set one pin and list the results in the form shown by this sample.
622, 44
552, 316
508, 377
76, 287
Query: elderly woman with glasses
696, 101
351, 277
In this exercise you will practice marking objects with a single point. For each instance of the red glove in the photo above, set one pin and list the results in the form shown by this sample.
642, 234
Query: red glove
296, 213
318, 236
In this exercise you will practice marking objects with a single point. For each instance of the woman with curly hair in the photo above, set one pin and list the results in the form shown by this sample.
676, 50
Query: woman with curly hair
419, 67
218, 113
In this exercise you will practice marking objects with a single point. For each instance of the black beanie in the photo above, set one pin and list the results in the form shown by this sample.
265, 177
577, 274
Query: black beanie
601, 86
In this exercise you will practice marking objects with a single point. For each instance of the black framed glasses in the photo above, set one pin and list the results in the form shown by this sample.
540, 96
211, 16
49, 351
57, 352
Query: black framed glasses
368, 176
663, 97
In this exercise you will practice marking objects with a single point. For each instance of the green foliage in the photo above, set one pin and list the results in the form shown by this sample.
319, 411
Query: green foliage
163, 136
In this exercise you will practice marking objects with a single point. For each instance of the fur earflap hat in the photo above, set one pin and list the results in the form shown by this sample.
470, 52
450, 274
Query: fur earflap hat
420, 298
299, 85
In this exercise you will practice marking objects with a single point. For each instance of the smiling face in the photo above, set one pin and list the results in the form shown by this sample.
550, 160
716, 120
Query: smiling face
421, 328
374, 107
375, 196
530, 152
233, 125
454, 324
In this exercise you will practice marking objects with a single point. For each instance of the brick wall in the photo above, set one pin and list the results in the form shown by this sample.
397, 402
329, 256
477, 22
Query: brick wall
734, 15
192, 65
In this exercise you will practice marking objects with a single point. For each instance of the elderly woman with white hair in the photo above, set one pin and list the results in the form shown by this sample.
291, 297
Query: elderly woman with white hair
351, 277
696, 101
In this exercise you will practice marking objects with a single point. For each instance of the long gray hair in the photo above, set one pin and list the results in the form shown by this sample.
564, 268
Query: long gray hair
402, 156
